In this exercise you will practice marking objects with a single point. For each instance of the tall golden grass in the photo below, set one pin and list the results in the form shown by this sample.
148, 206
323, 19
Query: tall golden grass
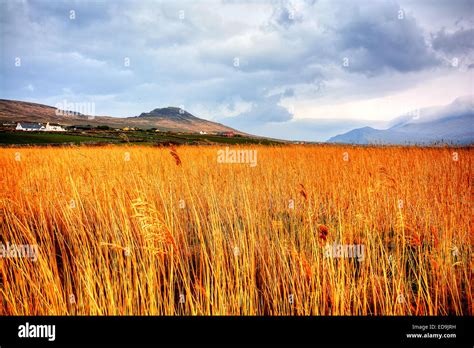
141, 230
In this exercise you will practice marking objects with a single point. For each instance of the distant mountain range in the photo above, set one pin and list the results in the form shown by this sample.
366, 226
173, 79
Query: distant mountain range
452, 123
164, 119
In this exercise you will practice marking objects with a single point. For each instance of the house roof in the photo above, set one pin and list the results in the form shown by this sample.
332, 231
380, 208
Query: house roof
31, 125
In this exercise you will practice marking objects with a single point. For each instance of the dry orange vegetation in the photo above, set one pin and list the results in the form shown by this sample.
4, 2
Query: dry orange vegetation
140, 230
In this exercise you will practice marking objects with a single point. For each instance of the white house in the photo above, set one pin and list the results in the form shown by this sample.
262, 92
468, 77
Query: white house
26, 126
54, 127
202, 132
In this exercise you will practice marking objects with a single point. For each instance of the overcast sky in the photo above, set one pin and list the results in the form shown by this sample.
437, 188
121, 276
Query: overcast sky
288, 69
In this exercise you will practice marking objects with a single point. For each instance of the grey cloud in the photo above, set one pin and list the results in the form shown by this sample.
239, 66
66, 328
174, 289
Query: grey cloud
377, 39
285, 15
460, 41
289, 92
265, 111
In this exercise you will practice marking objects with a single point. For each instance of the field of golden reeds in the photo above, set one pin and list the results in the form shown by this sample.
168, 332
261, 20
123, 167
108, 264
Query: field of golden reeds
144, 230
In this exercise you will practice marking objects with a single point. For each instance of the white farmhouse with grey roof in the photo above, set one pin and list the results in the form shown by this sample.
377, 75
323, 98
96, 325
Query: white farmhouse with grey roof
26, 126
49, 127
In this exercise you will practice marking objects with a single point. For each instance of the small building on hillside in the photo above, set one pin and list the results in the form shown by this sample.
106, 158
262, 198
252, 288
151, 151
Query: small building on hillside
226, 134
202, 132
27, 126
53, 127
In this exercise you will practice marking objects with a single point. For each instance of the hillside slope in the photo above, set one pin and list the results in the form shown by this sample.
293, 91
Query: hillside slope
164, 119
